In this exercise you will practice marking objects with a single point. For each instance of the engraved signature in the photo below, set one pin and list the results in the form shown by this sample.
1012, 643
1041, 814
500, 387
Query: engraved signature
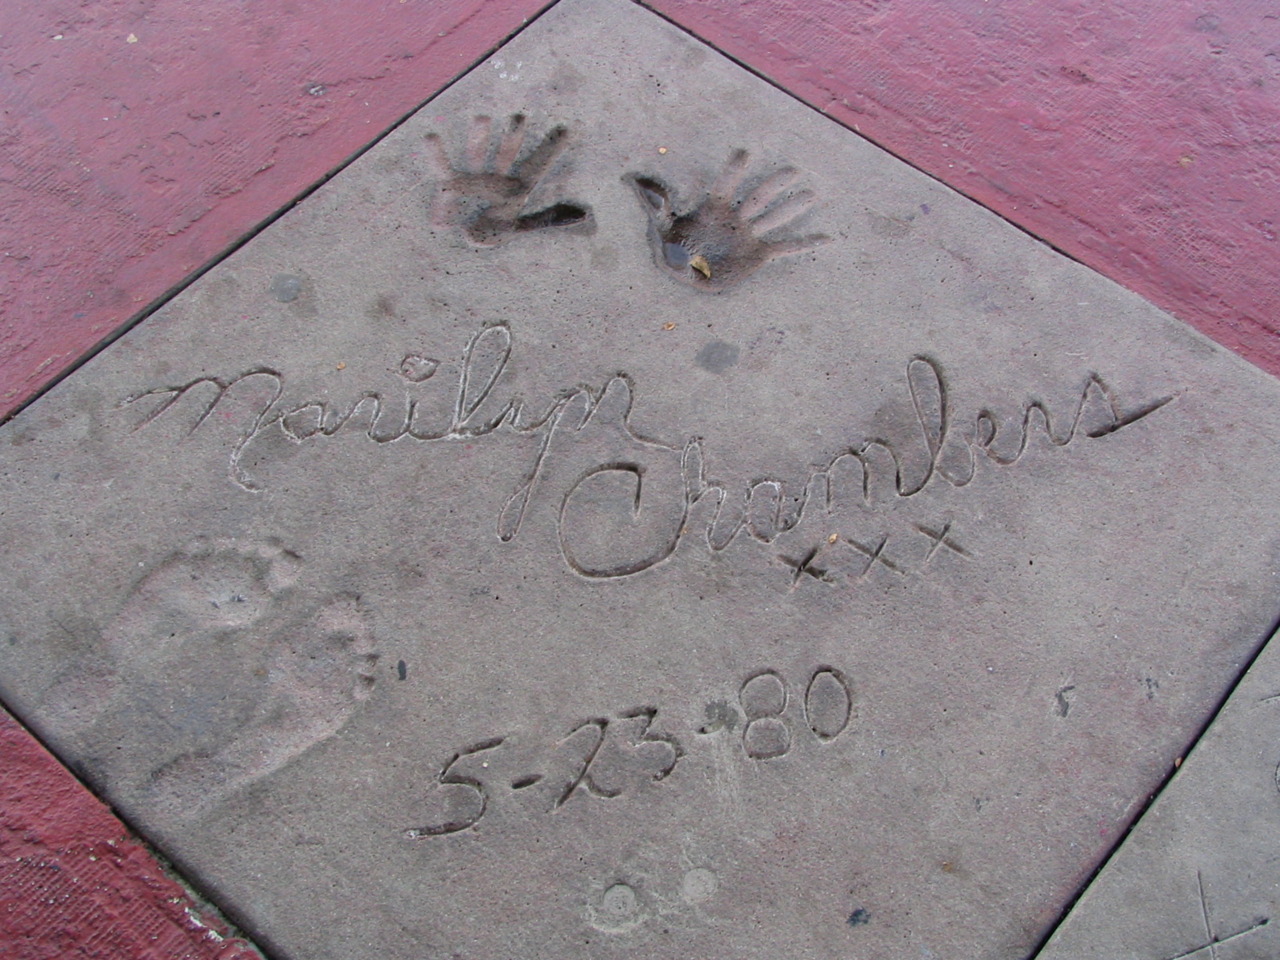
623, 503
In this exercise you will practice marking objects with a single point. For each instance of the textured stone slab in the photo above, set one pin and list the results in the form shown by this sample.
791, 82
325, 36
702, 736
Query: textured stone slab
74, 882
624, 514
1197, 877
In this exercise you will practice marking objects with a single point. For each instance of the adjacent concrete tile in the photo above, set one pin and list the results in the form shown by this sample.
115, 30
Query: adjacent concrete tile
1197, 877
625, 514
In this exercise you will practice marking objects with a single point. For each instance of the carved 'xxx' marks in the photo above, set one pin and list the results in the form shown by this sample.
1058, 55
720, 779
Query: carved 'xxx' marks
875, 555
804, 567
940, 539
732, 231
828, 562
487, 192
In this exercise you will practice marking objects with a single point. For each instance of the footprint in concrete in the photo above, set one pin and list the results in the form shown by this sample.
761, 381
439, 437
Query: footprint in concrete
181, 615
733, 230
316, 672
211, 586
213, 666
487, 191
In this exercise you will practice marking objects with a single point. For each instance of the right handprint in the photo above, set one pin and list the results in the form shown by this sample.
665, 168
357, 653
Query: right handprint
736, 228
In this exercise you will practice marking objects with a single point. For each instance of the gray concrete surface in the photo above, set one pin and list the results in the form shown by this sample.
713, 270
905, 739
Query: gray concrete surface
1197, 878
625, 514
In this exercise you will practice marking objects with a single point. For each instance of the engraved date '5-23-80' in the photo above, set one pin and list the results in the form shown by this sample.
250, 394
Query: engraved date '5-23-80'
607, 757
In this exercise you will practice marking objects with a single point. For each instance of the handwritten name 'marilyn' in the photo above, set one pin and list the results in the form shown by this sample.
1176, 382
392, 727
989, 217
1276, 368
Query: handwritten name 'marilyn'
587, 453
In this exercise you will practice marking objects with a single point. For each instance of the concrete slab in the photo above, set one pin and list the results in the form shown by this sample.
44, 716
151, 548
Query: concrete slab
625, 514
1197, 878
75, 883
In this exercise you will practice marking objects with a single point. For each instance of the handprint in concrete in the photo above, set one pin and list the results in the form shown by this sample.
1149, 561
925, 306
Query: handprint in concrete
733, 230
490, 191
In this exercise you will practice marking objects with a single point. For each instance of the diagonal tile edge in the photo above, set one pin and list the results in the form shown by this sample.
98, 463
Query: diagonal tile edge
74, 879
1196, 871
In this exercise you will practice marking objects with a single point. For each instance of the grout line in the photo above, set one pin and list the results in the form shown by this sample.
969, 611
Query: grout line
1155, 794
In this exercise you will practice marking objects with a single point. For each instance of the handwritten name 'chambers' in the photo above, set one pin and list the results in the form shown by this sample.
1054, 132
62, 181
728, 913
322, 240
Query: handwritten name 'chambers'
622, 502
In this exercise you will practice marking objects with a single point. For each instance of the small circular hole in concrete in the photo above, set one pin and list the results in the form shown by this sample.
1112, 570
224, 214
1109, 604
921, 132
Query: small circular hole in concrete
699, 884
618, 904
717, 356
286, 287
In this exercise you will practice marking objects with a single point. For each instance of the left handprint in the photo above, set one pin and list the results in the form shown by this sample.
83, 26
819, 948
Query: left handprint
487, 191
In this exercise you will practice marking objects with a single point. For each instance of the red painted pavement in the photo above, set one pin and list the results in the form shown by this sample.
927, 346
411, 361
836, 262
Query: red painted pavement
74, 885
141, 137
1138, 136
